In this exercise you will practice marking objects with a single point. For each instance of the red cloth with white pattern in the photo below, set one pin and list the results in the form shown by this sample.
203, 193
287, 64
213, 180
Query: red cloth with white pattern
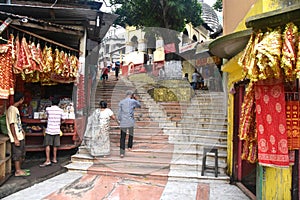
271, 123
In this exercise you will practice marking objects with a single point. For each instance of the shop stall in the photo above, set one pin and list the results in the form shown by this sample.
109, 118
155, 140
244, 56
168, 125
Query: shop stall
47, 59
32, 66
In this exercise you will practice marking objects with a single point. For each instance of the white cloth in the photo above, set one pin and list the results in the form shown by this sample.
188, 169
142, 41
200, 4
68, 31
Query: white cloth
97, 132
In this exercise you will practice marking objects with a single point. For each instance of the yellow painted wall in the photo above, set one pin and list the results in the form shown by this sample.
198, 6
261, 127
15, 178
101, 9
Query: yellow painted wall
159, 55
188, 67
277, 183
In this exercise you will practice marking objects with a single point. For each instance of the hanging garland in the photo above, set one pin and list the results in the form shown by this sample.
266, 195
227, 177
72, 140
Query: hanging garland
272, 54
47, 66
27, 59
6, 74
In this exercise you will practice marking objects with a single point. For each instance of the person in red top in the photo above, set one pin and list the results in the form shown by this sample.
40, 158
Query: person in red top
104, 74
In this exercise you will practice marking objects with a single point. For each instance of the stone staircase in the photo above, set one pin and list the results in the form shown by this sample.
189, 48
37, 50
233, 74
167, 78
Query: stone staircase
168, 139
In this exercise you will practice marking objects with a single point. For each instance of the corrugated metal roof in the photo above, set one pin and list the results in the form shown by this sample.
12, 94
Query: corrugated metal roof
53, 13
63, 17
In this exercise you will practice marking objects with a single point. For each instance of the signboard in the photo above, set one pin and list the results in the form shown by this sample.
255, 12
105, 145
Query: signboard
188, 47
208, 60
170, 48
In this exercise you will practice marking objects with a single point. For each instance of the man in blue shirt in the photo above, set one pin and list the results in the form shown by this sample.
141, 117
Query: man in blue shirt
126, 118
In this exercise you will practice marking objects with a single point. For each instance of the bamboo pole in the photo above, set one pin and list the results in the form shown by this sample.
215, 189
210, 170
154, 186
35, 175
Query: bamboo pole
43, 38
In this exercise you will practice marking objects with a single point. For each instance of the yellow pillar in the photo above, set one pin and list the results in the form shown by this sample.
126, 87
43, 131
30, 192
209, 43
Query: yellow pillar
276, 183
234, 71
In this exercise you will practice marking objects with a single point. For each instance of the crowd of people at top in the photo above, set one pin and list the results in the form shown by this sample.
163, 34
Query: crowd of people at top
105, 71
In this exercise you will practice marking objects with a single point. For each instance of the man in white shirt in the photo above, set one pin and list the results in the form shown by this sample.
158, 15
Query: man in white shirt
52, 137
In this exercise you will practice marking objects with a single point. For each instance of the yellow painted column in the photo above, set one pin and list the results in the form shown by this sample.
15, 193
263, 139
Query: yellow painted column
277, 183
230, 136
234, 71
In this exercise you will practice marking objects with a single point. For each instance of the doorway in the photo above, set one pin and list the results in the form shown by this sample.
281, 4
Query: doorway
243, 171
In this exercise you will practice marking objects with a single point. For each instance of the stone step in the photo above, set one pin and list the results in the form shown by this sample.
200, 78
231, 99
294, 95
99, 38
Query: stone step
177, 160
181, 144
222, 154
152, 135
202, 125
178, 141
212, 125
173, 138
178, 110
157, 157
116, 92
208, 175
202, 118
195, 130
149, 166
197, 167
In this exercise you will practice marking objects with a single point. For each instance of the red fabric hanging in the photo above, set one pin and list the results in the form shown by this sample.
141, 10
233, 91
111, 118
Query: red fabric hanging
6, 76
293, 124
271, 123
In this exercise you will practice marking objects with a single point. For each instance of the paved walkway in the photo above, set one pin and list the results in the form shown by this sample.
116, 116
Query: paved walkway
75, 185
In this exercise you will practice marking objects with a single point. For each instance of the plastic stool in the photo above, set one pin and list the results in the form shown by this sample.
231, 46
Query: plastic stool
209, 150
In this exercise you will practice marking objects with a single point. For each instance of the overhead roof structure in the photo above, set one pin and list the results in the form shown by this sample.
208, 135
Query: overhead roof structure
229, 45
61, 24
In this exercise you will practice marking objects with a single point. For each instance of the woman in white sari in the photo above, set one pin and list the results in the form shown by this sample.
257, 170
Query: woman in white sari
97, 132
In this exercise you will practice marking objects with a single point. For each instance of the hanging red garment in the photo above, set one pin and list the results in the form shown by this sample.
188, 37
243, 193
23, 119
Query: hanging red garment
17, 67
271, 123
39, 57
6, 80
24, 56
293, 124
247, 129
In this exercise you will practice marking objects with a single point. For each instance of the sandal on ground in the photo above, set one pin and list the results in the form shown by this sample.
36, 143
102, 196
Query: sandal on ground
54, 161
23, 174
45, 164
122, 156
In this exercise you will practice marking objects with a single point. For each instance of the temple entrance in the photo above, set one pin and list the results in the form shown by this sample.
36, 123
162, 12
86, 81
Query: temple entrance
242, 171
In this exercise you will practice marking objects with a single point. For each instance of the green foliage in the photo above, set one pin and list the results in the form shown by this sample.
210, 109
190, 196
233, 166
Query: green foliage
218, 6
170, 14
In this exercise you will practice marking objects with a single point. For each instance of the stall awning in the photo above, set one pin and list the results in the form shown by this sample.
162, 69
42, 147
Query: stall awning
275, 18
229, 45
41, 18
